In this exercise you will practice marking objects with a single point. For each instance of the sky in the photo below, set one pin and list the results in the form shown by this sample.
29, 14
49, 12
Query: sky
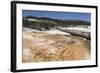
58, 15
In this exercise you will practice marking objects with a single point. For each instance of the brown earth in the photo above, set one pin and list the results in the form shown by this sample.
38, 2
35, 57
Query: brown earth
40, 47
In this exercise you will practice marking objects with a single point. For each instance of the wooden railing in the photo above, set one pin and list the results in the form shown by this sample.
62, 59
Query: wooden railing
77, 33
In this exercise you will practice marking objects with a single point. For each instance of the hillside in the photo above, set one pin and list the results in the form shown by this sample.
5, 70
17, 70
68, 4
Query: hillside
47, 23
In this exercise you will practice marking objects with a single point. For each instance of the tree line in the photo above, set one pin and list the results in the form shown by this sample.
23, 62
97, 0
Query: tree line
48, 23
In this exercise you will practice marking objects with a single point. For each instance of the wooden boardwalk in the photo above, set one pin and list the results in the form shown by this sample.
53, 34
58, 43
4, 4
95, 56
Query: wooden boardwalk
77, 33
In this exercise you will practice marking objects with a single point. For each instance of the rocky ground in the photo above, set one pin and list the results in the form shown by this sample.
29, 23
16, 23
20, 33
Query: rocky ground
41, 46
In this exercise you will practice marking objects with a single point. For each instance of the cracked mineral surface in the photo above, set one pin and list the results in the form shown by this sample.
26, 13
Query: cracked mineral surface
41, 46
